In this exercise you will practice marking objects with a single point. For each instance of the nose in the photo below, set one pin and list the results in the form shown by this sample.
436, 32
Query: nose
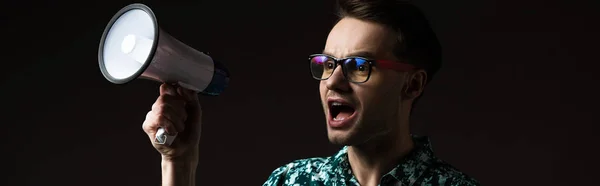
338, 81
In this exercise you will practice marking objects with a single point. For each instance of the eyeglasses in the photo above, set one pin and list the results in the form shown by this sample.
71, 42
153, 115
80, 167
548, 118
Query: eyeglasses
355, 69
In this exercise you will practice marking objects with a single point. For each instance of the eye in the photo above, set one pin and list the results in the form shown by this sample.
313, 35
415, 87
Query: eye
329, 65
361, 64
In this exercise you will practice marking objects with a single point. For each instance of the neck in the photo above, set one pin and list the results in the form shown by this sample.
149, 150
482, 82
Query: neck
370, 161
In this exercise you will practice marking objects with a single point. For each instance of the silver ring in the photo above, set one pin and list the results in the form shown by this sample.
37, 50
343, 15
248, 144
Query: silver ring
163, 138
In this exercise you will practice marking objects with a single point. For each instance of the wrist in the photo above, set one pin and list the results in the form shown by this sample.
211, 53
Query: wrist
189, 157
179, 163
178, 172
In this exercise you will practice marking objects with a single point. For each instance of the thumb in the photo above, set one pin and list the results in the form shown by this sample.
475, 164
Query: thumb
192, 99
194, 119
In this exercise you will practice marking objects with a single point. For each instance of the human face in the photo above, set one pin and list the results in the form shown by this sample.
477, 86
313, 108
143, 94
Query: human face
373, 106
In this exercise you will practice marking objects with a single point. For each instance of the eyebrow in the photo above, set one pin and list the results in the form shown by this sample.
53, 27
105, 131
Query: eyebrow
365, 54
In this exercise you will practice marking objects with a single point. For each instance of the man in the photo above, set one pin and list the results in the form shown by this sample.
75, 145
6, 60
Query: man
375, 64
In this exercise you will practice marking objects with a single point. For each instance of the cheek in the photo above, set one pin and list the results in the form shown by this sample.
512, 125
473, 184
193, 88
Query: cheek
378, 94
377, 105
322, 90
387, 84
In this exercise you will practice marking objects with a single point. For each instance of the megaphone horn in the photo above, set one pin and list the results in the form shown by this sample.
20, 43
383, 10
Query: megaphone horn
134, 46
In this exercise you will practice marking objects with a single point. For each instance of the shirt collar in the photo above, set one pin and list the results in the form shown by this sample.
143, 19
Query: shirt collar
407, 171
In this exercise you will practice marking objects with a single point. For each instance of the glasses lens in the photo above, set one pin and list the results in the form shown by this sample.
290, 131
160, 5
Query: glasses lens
321, 66
357, 69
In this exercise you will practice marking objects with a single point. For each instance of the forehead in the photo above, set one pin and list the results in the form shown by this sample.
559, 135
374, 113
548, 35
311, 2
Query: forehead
352, 36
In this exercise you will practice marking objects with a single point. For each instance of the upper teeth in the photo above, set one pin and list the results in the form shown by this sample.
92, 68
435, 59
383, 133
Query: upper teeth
336, 104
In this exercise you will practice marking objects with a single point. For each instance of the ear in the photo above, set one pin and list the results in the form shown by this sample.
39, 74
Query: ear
414, 84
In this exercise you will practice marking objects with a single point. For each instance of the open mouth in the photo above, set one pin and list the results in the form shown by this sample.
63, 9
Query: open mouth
340, 110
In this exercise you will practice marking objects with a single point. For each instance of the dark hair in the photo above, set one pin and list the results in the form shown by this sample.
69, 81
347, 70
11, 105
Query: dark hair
417, 43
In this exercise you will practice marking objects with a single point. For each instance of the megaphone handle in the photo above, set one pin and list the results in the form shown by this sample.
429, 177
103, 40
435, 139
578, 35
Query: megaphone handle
163, 138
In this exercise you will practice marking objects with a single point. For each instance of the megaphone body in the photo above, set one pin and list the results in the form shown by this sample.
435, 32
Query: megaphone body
134, 46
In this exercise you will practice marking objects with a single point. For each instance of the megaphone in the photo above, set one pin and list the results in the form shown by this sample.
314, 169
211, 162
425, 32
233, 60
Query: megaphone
134, 46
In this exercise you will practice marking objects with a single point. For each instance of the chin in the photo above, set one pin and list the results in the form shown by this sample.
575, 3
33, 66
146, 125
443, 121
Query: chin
342, 137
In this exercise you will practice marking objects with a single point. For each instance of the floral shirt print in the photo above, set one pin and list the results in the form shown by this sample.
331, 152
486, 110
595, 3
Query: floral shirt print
420, 167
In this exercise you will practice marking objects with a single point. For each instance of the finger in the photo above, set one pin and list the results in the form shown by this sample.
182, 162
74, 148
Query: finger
176, 114
150, 126
173, 108
166, 89
193, 123
176, 105
176, 101
154, 121
187, 94
181, 92
193, 106
191, 95
165, 123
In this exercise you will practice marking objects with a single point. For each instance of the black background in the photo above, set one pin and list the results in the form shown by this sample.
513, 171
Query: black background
514, 104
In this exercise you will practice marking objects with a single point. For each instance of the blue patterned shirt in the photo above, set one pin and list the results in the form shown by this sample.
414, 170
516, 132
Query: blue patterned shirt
420, 167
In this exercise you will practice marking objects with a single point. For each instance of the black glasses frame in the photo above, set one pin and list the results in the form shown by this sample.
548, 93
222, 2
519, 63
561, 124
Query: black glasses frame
340, 62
